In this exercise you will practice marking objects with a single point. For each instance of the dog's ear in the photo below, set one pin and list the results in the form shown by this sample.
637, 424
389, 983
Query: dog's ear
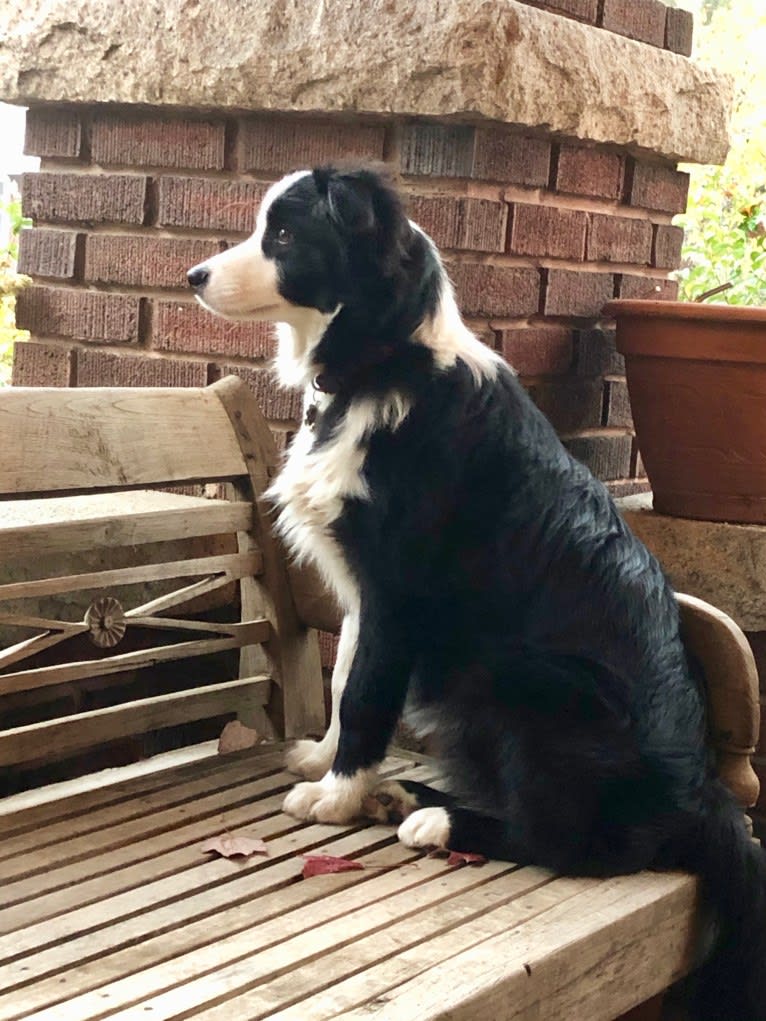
364, 205
349, 201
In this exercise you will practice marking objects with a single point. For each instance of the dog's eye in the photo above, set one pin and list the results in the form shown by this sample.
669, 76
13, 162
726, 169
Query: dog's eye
284, 237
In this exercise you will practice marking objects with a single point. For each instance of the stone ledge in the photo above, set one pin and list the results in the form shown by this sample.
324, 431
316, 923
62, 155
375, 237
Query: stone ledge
722, 563
477, 59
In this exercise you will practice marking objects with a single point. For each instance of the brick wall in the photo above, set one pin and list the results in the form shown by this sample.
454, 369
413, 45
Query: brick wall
537, 235
648, 21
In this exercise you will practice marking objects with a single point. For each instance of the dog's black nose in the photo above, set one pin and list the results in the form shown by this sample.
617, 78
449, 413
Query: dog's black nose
198, 276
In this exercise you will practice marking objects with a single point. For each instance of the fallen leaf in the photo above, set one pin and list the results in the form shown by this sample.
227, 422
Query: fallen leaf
327, 864
229, 846
465, 858
235, 737
458, 857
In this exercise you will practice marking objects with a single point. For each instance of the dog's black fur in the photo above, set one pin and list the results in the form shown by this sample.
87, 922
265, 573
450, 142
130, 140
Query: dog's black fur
503, 595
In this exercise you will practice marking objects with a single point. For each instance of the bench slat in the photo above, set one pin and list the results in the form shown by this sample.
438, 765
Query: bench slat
114, 438
233, 565
78, 523
83, 730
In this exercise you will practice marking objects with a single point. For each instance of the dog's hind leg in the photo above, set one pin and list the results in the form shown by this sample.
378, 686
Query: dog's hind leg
392, 801
460, 829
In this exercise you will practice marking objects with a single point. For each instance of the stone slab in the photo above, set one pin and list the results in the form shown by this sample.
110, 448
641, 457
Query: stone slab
477, 59
722, 563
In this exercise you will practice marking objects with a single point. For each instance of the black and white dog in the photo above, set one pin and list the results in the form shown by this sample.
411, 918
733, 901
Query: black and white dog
491, 591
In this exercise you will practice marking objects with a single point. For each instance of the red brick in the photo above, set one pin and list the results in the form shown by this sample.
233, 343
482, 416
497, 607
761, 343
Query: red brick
639, 19
657, 288
282, 439
81, 315
437, 150
617, 411
607, 456
328, 649
570, 293
511, 158
548, 231
283, 144
100, 368
275, 402
593, 172
209, 205
654, 186
537, 351
619, 239
186, 327
474, 224
628, 487
157, 142
569, 405
48, 253
484, 290
597, 353
89, 198
52, 133
41, 364
679, 31
144, 261
668, 242
581, 10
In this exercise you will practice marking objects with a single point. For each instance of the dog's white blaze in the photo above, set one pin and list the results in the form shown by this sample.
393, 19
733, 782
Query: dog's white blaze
426, 827
244, 284
334, 798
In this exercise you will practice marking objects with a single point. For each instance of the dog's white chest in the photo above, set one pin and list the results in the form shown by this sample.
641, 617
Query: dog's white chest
317, 479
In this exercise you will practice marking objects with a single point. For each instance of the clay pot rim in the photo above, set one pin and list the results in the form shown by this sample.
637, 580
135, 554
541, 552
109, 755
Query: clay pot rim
638, 308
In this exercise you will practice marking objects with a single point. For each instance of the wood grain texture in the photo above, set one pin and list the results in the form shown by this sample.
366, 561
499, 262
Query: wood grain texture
731, 677
41, 741
104, 438
125, 918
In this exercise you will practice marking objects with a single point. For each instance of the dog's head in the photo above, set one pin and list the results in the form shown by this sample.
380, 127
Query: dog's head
330, 246
322, 238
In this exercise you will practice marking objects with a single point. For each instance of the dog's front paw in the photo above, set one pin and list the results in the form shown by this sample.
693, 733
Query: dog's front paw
427, 827
310, 759
334, 798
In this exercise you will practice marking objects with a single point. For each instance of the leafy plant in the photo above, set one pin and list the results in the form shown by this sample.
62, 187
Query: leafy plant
10, 283
725, 223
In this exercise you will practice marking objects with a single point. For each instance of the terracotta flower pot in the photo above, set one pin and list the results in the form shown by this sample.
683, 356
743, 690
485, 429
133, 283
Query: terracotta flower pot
697, 384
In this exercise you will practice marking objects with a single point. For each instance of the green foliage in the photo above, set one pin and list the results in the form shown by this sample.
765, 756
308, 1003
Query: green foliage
725, 223
10, 283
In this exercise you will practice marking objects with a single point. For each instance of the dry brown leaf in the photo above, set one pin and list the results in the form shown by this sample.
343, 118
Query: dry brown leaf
327, 864
232, 846
235, 737
458, 857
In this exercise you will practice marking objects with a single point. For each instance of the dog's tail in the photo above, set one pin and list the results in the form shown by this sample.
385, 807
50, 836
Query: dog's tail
732, 868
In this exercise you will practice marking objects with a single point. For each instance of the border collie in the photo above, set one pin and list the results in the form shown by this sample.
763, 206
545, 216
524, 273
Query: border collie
492, 593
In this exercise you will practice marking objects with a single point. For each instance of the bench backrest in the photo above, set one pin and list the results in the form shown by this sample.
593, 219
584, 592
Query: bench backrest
113, 564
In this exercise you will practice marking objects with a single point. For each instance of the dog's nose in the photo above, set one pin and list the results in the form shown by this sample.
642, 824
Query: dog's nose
198, 276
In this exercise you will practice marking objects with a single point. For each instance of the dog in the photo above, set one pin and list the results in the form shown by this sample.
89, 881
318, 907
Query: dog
492, 594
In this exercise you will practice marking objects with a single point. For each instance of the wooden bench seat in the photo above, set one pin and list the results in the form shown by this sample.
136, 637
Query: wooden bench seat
111, 910
109, 907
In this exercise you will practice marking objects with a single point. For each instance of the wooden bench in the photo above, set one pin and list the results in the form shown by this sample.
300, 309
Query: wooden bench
110, 908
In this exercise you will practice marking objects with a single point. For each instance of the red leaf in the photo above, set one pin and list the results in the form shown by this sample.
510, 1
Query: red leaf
465, 858
228, 846
326, 864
